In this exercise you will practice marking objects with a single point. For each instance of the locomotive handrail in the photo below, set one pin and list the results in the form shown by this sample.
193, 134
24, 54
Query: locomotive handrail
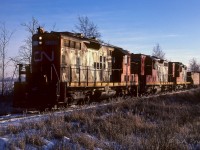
23, 69
56, 72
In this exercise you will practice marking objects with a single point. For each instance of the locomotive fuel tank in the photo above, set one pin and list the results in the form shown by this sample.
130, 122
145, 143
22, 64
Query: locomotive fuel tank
104, 93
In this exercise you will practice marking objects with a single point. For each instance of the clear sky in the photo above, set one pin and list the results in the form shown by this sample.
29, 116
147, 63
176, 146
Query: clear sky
135, 25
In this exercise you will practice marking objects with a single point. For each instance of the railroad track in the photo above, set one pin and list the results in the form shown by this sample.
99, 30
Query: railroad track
33, 115
16, 118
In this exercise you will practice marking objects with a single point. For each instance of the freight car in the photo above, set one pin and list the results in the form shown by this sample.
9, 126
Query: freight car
70, 68
194, 79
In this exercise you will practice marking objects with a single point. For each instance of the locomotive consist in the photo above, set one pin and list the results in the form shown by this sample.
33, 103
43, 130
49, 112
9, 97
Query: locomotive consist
70, 68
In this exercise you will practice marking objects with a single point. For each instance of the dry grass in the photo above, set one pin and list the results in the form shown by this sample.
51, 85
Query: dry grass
164, 122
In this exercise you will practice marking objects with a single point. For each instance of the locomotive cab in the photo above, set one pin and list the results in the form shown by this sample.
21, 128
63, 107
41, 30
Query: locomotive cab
42, 77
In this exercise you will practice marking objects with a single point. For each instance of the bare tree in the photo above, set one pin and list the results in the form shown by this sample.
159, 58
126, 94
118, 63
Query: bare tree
5, 36
54, 28
193, 65
25, 51
158, 52
87, 27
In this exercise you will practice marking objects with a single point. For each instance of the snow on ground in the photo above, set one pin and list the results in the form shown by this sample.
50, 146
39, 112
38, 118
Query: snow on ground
18, 119
3, 142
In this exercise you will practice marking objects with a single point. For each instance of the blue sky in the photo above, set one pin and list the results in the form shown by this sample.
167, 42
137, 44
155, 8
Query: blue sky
135, 25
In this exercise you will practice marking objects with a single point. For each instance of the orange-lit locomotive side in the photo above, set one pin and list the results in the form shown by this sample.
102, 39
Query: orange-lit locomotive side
69, 68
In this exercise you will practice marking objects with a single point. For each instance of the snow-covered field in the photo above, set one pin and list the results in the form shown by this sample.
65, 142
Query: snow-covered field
16, 121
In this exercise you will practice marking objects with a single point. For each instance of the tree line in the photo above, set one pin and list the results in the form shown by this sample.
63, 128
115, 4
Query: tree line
84, 25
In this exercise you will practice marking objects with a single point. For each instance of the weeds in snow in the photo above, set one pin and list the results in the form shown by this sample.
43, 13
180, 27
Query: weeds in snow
164, 122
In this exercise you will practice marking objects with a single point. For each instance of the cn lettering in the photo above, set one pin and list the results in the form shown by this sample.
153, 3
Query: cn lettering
40, 55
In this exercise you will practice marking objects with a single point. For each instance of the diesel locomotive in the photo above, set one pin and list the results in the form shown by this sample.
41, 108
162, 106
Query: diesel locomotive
69, 68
